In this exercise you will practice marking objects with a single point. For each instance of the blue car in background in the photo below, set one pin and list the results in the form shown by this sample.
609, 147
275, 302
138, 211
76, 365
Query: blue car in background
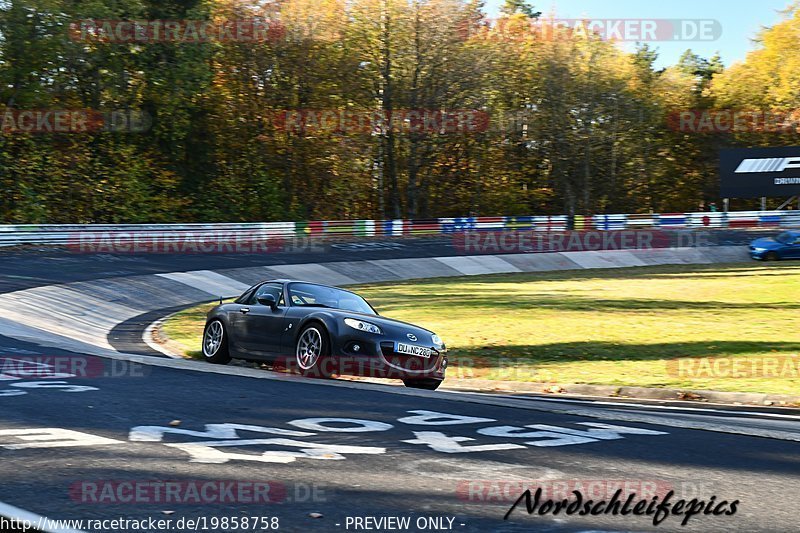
784, 246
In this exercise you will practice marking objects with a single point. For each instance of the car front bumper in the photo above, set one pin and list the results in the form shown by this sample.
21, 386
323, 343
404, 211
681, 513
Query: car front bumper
758, 253
376, 357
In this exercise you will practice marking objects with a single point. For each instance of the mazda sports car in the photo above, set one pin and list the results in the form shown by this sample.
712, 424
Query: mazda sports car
320, 331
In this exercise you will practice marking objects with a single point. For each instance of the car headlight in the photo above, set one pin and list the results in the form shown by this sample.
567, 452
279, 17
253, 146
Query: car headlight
436, 339
757, 249
360, 325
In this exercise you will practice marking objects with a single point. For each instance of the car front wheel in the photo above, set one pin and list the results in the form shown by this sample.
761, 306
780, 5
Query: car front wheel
215, 343
311, 351
771, 256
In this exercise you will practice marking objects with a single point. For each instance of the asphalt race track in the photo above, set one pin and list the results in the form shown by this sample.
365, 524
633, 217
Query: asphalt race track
25, 268
93, 438
22, 269
384, 469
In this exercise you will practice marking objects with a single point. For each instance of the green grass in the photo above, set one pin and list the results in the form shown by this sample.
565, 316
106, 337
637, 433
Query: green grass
186, 328
611, 327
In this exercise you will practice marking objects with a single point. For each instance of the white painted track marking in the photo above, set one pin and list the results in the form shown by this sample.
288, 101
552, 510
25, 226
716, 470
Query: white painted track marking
147, 338
664, 407
208, 281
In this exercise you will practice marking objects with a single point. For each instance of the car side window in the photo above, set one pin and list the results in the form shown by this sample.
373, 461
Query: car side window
268, 288
245, 297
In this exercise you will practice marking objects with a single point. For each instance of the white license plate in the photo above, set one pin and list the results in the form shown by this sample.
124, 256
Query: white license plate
410, 349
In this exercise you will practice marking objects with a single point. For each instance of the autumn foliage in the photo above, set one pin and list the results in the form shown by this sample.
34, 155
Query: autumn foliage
569, 125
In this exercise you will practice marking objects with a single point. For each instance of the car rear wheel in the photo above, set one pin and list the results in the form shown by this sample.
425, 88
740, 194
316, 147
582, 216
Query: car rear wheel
215, 343
771, 256
311, 351
427, 384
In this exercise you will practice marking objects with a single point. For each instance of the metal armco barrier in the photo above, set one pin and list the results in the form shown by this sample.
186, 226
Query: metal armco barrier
76, 234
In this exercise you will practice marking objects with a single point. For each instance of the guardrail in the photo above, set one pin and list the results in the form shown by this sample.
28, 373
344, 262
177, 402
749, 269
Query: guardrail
75, 234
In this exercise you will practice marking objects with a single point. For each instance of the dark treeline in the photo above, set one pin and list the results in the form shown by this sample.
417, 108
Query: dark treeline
561, 125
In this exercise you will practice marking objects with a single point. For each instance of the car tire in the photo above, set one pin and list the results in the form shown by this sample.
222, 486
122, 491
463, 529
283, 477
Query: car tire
771, 256
312, 351
427, 384
215, 343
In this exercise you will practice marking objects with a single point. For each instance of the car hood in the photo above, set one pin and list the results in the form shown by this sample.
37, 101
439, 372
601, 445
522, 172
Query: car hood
389, 325
766, 242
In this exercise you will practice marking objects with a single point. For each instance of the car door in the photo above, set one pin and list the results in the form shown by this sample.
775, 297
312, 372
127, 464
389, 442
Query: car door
294, 315
258, 327
236, 314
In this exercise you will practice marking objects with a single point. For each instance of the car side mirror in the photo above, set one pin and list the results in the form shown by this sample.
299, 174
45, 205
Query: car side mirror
267, 299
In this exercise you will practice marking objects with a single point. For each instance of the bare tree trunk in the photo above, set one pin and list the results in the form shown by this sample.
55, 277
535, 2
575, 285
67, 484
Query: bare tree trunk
411, 191
569, 197
613, 163
413, 162
387, 105
377, 169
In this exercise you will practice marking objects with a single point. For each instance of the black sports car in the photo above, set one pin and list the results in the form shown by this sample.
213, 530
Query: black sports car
318, 330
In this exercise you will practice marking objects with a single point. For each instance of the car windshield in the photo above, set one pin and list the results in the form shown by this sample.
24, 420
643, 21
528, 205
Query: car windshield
785, 238
309, 295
